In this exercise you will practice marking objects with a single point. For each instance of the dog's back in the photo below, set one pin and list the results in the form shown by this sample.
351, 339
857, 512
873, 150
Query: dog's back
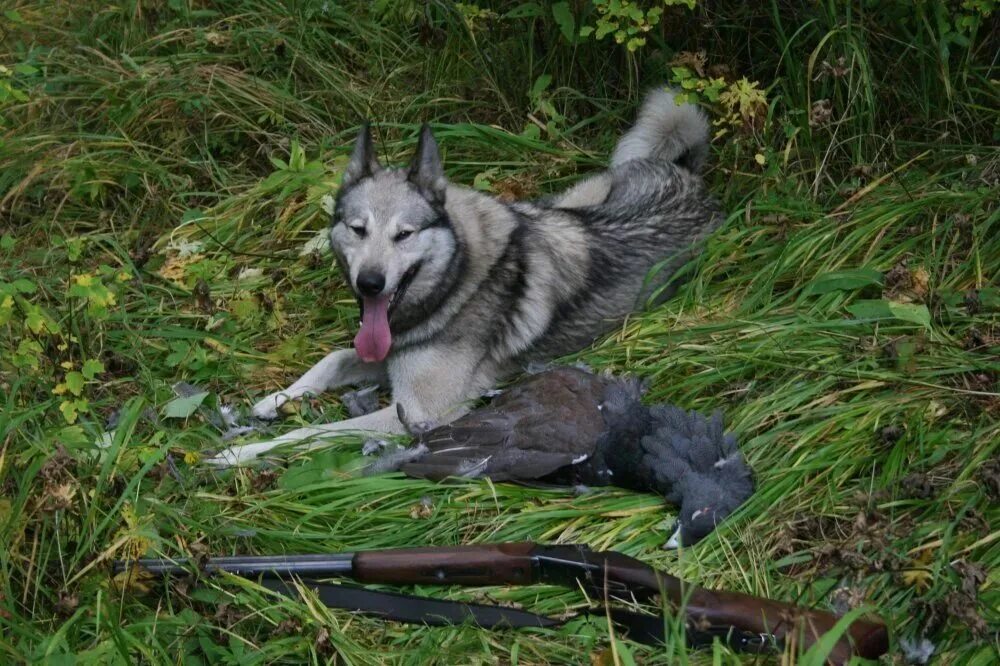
649, 209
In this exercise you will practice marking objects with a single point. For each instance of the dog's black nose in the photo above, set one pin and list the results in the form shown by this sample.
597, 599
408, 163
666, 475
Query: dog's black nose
370, 283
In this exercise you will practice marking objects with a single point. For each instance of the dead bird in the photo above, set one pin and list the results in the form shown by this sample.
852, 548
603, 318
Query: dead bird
571, 427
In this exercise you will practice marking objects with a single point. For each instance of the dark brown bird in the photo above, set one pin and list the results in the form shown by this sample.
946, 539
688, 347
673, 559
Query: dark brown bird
572, 427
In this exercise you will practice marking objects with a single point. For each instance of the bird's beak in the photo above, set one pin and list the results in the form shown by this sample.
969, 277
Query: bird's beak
674, 542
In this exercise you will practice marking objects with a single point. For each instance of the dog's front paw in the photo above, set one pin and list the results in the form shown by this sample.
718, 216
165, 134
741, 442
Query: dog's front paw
237, 456
267, 408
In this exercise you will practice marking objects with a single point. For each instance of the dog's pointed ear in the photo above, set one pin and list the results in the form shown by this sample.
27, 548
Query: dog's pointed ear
426, 171
364, 161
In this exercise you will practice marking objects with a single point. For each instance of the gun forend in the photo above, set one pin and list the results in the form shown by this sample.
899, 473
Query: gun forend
492, 564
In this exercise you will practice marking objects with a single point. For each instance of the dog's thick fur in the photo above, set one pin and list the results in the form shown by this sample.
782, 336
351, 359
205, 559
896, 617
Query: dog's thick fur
479, 287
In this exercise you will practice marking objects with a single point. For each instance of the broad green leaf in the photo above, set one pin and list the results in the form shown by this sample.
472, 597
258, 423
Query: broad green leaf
24, 286
35, 321
914, 312
526, 10
68, 409
91, 368
870, 309
181, 408
604, 28
564, 18
541, 83
879, 309
75, 382
192, 214
843, 280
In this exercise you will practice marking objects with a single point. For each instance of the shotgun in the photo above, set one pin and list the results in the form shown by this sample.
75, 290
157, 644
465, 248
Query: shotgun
745, 622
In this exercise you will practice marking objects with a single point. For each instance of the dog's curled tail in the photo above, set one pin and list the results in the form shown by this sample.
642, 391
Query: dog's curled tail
666, 131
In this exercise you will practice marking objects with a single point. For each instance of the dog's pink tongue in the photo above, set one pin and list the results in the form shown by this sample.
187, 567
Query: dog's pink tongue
374, 339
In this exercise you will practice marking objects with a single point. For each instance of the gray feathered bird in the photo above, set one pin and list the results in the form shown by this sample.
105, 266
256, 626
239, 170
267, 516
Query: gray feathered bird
570, 427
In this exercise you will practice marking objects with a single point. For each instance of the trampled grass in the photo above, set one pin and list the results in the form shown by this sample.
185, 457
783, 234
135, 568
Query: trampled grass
163, 165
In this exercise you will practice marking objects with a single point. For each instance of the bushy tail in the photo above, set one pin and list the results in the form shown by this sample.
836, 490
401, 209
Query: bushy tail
665, 131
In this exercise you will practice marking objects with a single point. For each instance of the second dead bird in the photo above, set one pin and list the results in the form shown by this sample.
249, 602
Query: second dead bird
572, 427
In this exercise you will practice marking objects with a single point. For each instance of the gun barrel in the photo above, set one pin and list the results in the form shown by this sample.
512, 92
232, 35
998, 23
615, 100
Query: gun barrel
338, 564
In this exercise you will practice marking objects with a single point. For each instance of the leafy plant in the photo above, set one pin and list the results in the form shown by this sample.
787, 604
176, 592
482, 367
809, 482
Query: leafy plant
72, 386
628, 21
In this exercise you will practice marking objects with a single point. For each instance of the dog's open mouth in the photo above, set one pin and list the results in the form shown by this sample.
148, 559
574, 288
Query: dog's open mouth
374, 339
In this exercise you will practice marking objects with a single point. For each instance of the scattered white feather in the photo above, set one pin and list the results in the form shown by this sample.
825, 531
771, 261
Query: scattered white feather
319, 243
185, 248
722, 462
237, 431
327, 203
250, 273
228, 414
917, 651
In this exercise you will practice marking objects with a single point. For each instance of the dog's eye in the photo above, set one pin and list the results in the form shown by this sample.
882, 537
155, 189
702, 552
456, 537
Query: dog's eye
404, 234
358, 230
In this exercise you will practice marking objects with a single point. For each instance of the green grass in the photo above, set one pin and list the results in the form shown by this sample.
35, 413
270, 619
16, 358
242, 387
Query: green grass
141, 127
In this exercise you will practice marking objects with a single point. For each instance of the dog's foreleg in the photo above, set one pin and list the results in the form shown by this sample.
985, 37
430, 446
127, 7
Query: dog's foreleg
382, 422
337, 368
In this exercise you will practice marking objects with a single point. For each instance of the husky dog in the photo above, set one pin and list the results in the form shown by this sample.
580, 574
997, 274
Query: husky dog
458, 289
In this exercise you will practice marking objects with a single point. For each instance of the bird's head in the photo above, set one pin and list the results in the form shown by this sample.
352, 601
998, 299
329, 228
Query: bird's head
693, 524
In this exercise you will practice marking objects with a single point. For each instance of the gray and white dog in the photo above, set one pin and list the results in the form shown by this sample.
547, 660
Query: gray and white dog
458, 289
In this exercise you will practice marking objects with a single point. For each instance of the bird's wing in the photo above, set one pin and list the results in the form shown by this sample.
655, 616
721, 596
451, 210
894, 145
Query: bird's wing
546, 423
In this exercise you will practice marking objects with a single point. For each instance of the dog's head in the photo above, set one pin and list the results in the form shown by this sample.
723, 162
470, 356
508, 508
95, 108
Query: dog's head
393, 240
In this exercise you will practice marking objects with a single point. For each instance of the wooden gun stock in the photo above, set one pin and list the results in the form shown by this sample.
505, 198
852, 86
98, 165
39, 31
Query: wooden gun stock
864, 638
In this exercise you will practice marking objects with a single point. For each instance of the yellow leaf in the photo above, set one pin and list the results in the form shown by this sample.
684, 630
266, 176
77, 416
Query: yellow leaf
917, 578
60, 389
919, 575
68, 409
133, 579
191, 458
84, 280
66, 365
174, 268
760, 159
